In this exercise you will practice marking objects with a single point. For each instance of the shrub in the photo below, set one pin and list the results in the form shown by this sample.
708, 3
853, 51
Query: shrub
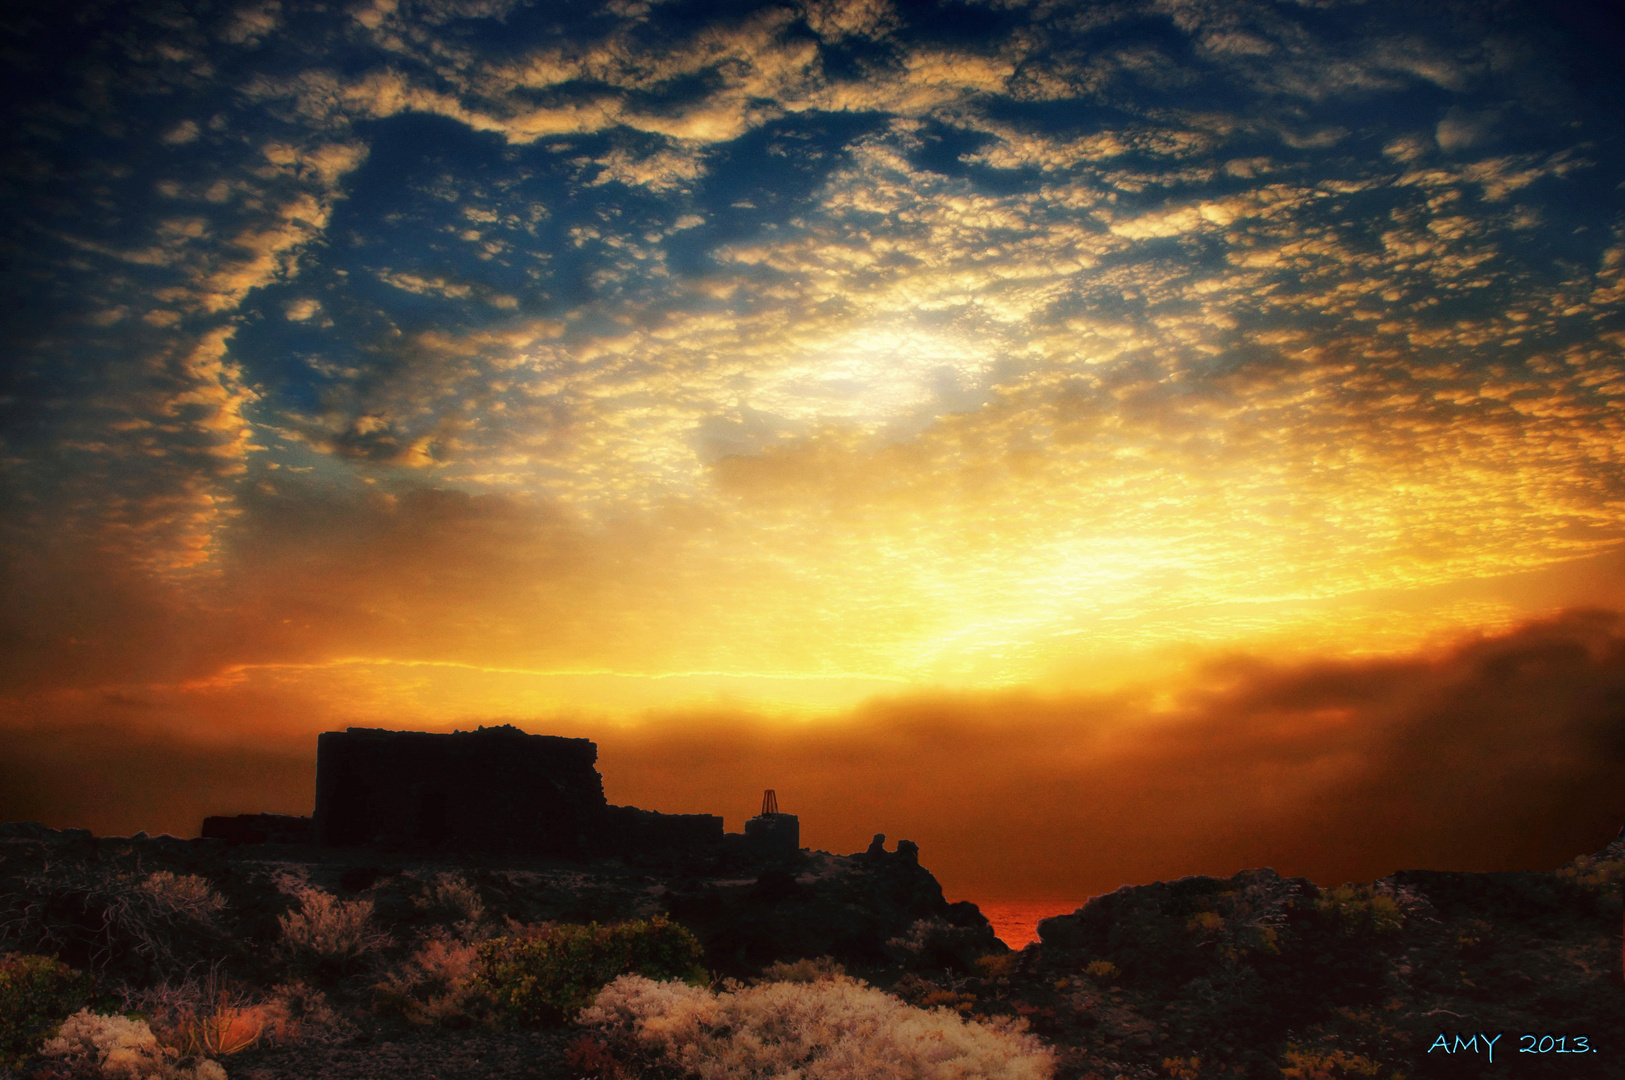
435, 985
1102, 970
1183, 1068
833, 1029
1593, 873
104, 915
1362, 909
121, 1048
1311, 1064
803, 971
555, 971
36, 994
1205, 922
592, 1057
299, 1012
207, 1018
934, 943
994, 966
453, 895
184, 897
330, 930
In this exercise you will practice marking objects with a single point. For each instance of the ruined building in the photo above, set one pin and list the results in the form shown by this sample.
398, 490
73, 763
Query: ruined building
771, 834
496, 789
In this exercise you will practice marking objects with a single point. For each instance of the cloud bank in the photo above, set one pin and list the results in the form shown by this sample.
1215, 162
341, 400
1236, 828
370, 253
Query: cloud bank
1500, 752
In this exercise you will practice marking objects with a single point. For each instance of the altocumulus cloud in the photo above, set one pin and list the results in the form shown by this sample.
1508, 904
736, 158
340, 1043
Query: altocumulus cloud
859, 343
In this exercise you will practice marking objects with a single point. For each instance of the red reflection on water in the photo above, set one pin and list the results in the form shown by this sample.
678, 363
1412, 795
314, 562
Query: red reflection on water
1016, 921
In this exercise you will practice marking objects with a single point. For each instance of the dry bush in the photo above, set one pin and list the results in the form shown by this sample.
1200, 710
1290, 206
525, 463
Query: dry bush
802, 971
107, 915
1102, 970
331, 930
454, 895
435, 985
299, 1012
1593, 872
182, 896
592, 1058
204, 1018
1303, 1063
932, 943
832, 1029
1372, 910
1180, 1068
119, 1048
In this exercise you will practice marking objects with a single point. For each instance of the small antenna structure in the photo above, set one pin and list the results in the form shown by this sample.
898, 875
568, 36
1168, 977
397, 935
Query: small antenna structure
770, 802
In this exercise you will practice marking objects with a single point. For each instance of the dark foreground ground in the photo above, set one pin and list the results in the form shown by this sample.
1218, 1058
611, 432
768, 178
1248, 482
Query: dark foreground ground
1253, 976
441, 1055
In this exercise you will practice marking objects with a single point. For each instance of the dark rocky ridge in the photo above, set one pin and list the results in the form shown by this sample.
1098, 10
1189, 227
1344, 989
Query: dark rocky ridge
747, 912
1238, 971
1240, 977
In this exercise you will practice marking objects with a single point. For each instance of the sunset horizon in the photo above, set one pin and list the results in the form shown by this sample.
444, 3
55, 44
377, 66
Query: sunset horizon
1099, 443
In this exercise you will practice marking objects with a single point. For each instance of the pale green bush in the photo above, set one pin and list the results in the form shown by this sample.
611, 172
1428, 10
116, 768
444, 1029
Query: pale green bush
835, 1028
36, 994
119, 1048
553, 971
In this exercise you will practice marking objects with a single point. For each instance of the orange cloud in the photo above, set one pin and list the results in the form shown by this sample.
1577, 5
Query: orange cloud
1497, 752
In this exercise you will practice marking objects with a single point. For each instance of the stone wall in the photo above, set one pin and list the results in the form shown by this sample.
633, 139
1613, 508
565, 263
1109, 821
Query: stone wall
494, 789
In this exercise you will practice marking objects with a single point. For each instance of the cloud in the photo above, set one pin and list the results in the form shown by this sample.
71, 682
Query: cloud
821, 342
116, 778
1500, 752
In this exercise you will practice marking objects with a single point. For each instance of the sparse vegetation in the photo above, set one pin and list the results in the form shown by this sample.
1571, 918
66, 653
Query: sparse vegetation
330, 931
36, 994
803, 971
1362, 909
208, 1017
1101, 970
113, 917
551, 973
122, 1048
453, 897
1244, 978
1300, 1063
1593, 872
836, 1028
435, 985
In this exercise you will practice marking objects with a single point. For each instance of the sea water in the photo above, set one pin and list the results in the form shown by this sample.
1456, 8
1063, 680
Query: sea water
1016, 921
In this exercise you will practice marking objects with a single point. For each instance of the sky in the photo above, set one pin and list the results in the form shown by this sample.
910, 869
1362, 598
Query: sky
1100, 442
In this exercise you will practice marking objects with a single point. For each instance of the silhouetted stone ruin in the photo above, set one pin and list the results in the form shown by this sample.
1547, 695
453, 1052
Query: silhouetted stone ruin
496, 789
770, 834
259, 829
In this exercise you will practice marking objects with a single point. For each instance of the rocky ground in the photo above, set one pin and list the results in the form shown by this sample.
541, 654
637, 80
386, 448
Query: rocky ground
1251, 976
